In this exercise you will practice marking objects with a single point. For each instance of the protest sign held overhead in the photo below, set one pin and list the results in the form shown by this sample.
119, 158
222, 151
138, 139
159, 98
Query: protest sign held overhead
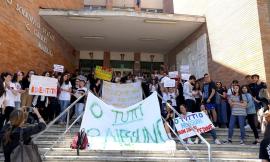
173, 74
58, 68
103, 73
169, 83
199, 121
138, 127
122, 95
43, 86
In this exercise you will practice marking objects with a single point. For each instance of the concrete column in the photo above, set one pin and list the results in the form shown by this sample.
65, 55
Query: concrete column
168, 6
137, 63
106, 59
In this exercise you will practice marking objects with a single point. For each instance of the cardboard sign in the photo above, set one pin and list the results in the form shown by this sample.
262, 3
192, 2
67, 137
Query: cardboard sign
138, 127
58, 68
199, 121
103, 73
122, 95
43, 86
173, 74
169, 83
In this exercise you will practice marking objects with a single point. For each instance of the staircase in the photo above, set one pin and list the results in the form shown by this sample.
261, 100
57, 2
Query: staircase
62, 153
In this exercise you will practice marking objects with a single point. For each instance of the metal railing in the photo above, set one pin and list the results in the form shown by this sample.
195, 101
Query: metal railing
190, 126
62, 135
67, 110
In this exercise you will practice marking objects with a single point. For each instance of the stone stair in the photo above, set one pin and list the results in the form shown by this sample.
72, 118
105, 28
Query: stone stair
220, 153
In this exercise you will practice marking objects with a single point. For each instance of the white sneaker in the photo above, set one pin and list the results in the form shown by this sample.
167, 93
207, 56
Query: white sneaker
189, 141
247, 126
217, 142
196, 140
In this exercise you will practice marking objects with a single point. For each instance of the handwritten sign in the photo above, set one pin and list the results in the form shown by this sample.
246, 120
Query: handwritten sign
138, 127
169, 83
58, 68
173, 74
122, 95
103, 73
199, 121
43, 86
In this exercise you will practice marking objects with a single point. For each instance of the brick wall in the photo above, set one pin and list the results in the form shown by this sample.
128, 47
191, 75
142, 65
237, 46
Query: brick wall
264, 18
23, 35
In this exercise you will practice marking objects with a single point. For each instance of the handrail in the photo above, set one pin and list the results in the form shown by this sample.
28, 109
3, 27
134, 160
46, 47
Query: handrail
194, 130
180, 139
59, 116
62, 135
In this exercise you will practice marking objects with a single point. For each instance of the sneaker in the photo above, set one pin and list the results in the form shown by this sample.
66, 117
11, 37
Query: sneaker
256, 142
228, 141
247, 126
196, 140
217, 142
242, 142
189, 141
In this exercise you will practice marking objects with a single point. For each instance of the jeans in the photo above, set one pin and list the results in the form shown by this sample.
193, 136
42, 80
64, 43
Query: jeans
222, 113
17, 104
79, 110
241, 120
63, 105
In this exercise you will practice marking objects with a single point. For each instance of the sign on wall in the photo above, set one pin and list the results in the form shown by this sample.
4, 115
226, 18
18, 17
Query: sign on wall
43, 86
122, 95
103, 73
138, 127
199, 121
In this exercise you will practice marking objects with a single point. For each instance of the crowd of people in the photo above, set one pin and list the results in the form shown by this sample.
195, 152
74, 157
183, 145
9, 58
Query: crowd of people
224, 106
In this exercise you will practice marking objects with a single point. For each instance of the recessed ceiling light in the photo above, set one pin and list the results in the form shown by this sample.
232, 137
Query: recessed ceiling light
86, 18
149, 39
93, 37
159, 21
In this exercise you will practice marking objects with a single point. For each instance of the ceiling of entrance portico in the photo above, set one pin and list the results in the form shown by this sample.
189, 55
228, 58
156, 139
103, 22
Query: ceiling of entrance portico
122, 31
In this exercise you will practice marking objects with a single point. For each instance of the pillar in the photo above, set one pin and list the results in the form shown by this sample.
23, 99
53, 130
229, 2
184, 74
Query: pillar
106, 59
137, 63
168, 6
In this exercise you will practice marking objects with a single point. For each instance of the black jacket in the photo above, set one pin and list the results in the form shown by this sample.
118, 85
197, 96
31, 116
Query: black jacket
15, 137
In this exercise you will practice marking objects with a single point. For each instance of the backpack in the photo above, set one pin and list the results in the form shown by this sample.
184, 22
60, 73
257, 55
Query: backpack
80, 141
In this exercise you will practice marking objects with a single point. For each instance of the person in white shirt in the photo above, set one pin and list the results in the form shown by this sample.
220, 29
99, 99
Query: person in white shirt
79, 106
11, 93
17, 78
189, 94
65, 95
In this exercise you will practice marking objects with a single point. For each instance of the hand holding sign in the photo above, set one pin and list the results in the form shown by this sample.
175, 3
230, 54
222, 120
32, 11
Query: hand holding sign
169, 83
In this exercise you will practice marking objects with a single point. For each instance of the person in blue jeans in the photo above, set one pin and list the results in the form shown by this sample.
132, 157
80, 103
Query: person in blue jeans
65, 95
238, 103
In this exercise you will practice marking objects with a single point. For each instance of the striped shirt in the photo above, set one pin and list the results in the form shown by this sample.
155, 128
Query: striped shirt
238, 110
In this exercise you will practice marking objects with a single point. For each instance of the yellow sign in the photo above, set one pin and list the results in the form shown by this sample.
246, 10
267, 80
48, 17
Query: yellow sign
103, 73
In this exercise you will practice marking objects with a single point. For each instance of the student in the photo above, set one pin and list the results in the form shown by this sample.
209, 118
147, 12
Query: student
169, 119
265, 143
10, 134
212, 132
172, 94
256, 88
189, 94
238, 103
79, 106
11, 93
65, 95
2, 103
26, 98
251, 112
183, 114
17, 79
221, 105
198, 96
209, 90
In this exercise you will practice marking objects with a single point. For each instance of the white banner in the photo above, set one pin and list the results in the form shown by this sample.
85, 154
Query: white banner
43, 86
138, 127
199, 121
121, 95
